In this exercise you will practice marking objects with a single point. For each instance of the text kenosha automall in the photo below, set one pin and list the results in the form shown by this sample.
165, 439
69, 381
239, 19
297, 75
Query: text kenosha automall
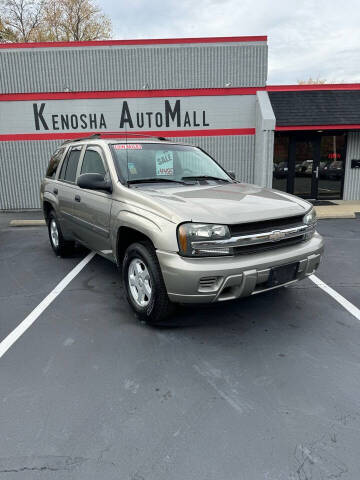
171, 115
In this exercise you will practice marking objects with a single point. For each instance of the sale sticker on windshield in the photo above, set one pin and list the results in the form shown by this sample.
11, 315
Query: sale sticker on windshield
164, 163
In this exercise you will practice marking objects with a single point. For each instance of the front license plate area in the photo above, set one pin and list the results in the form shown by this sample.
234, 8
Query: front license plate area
282, 274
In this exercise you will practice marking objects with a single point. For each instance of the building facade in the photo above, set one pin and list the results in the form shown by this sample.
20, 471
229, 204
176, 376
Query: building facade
209, 92
317, 150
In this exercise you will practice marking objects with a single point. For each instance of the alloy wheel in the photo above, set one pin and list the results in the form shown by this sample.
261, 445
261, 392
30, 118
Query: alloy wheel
139, 282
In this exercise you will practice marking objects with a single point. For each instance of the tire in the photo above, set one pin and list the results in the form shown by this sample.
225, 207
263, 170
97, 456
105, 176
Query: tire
144, 285
60, 246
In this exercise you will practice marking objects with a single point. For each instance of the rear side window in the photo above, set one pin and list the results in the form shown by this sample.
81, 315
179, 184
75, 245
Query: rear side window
54, 162
92, 162
69, 167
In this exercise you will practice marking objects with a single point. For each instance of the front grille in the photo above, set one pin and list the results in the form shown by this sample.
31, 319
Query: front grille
263, 247
265, 225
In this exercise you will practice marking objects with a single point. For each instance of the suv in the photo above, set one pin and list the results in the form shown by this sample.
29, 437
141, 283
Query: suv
181, 228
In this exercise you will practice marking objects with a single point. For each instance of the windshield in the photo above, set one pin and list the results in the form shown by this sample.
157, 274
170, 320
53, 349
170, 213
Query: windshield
165, 163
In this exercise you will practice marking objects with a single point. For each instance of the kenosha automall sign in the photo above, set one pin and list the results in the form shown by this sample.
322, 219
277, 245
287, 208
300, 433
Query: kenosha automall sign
160, 114
171, 115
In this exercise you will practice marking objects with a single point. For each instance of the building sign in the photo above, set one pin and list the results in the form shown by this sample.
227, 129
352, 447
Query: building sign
127, 115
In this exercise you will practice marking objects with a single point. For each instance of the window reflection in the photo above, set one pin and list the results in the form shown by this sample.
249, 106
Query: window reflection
310, 165
281, 167
304, 163
331, 166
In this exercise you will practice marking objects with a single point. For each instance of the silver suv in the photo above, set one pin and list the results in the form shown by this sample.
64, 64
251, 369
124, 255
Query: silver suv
181, 228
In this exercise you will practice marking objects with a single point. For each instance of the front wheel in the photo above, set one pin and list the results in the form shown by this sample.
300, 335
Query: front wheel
60, 246
144, 284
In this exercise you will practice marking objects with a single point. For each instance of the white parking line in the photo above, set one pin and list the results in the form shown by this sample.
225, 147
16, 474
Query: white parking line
339, 298
34, 315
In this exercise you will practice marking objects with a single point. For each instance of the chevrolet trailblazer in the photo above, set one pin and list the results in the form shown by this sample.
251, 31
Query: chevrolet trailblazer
181, 228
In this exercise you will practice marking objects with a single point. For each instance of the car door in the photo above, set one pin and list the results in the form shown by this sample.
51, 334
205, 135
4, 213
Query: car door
93, 207
66, 188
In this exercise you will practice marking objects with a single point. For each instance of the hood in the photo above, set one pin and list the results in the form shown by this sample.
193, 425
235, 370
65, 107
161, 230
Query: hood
228, 203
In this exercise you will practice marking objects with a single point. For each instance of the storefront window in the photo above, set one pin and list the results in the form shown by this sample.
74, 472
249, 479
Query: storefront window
310, 164
281, 158
332, 165
304, 164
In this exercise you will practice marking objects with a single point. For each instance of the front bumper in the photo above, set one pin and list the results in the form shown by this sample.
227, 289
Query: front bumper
211, 279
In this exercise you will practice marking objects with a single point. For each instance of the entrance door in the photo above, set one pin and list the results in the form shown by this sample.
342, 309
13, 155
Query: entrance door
305, 166
331, 166
310, 165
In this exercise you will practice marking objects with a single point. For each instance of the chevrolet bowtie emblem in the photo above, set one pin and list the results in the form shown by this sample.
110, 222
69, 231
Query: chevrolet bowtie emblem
276, 235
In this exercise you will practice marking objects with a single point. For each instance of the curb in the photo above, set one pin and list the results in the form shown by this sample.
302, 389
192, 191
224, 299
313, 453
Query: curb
337, 211
334, 216
27, 223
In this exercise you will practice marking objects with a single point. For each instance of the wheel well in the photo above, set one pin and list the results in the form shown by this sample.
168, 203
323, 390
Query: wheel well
125, 237
47, 207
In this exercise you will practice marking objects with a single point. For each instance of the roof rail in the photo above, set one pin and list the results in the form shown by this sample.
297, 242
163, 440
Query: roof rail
103, 134
131, 134
90, 137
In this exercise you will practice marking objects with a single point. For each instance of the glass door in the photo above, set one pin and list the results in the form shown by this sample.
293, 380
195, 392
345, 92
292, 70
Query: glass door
305, 166
310, 165
331, 166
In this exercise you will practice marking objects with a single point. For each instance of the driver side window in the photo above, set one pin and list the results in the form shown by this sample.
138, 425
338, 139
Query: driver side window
92, 162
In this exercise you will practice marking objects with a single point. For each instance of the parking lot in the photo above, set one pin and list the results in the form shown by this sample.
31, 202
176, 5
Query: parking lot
267, 387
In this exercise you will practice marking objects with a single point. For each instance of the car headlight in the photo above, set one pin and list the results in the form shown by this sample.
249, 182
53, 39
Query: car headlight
310, 220
310, 217
195, 239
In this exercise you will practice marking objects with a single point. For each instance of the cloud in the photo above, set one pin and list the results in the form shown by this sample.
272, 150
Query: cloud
306, 38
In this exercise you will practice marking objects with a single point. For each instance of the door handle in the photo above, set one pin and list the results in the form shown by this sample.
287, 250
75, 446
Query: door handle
77, 198
56, 191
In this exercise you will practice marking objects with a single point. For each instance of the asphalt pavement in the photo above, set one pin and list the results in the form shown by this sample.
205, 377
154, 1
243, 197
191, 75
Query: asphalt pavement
266, 387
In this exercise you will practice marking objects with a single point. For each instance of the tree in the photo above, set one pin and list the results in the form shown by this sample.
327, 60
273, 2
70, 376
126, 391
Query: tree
75, 20
21, 19
53, 20
6, 34
312, 81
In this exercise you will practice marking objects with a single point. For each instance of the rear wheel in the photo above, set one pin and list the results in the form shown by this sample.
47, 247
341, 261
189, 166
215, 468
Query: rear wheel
60, 246
144, 285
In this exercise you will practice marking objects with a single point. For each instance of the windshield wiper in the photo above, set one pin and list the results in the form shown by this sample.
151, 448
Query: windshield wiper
204, 177
155, 180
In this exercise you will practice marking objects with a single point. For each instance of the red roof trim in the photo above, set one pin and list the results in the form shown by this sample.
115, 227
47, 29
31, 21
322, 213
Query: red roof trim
201, 92
148, 41
317, 127
329, 86
164, 133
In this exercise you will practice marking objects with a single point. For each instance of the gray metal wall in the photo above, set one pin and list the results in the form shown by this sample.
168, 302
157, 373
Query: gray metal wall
352, 175
130, 68
23, 164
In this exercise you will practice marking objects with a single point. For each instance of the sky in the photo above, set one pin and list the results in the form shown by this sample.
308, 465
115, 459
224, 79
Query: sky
307, 38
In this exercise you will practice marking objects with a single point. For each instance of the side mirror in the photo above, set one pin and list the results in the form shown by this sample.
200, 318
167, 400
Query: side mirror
94, 181
232, 175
